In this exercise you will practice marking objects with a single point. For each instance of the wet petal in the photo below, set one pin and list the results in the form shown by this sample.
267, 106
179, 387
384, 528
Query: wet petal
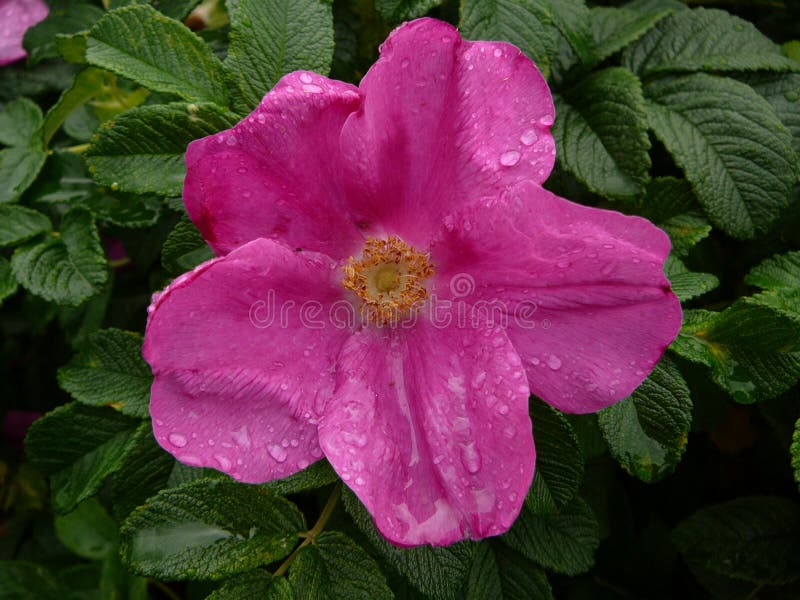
16, 17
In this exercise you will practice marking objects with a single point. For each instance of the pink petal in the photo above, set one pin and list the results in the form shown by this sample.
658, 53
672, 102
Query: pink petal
233, 389
582, 289
430, 428
274, 174
16, 17
443, 121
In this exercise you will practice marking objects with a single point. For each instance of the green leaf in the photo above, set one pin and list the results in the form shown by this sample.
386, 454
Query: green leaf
571, 18
601, 133
78, 446
270, 38
436, 572
8, 284
18, 224
795, 452
163, 55
500, 573
524, 23
755, 539
704, 40
254, 585
397, 11
65, 268
87, 84
209, 529
336, 568
685, 283
782, 91
176, 9
125, 210
647, 432
88, 531
780, 272
559, 460
316, 475
184, 248
751, 348
564, 541
20, 163
110, 371
72, 46
40, 40
670, 203
144, 471
21, 580
734, 151
142, 150
614, 28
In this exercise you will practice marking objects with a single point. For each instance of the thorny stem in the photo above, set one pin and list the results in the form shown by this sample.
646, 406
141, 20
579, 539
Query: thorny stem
312, 533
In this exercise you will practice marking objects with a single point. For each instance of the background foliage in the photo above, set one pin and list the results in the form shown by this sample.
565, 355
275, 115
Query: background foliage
689, 116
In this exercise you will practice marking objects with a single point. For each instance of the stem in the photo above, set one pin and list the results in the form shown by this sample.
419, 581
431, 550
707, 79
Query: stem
314, 531
164, 588
79, 149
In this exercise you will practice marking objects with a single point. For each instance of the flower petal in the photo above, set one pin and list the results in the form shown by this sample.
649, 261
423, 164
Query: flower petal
274, 175
16, 17
582, 290
243, 362
430, 428
443, 121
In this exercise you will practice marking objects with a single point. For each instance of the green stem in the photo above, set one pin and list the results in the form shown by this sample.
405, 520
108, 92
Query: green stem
312, 533
79, 149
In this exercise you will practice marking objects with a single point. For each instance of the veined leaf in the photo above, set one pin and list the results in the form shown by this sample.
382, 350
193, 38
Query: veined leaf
500, 573
254, 585
685, 283
614, 28
781, 272
20, 163
397, 11
18, 223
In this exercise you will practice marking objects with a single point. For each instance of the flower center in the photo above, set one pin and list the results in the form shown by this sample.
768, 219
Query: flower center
388, 278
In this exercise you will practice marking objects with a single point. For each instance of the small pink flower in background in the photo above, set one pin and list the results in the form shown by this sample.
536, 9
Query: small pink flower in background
16, 17
383, 201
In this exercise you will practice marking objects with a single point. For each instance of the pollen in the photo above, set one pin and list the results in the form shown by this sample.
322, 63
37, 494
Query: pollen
389, 278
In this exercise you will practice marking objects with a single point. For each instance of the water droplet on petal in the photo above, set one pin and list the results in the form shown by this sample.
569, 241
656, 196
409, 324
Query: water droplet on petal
312, 88
498, 53
546, 120
529, 137
510, 158
177, 440
554, 362
278, 453
405, 62
223, 461
305, 78
470, 458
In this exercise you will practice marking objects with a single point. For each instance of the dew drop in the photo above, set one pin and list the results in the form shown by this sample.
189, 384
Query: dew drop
305, 78
546, 120
554, 362
312, 88
177, 440
223, 462
510, 158
470, 458
498, 53
278, 453
529, 137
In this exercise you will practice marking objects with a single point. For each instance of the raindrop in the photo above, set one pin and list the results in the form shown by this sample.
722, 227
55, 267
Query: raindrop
470, 458
177, 440
305, 78
278, 453
498, 53
546, 120
554, 362
510, 158
223, 461
529, 137
312, 88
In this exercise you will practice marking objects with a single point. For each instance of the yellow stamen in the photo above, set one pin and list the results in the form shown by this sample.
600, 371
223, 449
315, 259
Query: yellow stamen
388, 278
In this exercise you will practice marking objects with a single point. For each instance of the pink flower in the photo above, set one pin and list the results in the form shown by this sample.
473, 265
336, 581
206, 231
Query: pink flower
410, 198
16, 17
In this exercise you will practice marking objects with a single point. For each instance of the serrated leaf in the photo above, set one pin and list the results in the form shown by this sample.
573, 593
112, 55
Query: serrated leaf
209, 529
499, 573
110, 371
20, 163
8, 284
559, 460
782, 91
780, 272
601, 133
749, 347
755, 539
614, 28
335, 567
685, 283
254, 585
39, 40
142, 150
86, 85
88, 531
670, 203
647, 432
436, 572
397, 11
734, 151
68, 268
571, 18
527, 24
78, 446
314, 476
270, 38
163, 55
176, 9
184, 248
124, 210
704, 40
18, 224
563, 542
795, 452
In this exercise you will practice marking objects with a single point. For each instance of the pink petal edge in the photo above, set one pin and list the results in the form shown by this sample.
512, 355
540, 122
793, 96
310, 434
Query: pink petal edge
16, 17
